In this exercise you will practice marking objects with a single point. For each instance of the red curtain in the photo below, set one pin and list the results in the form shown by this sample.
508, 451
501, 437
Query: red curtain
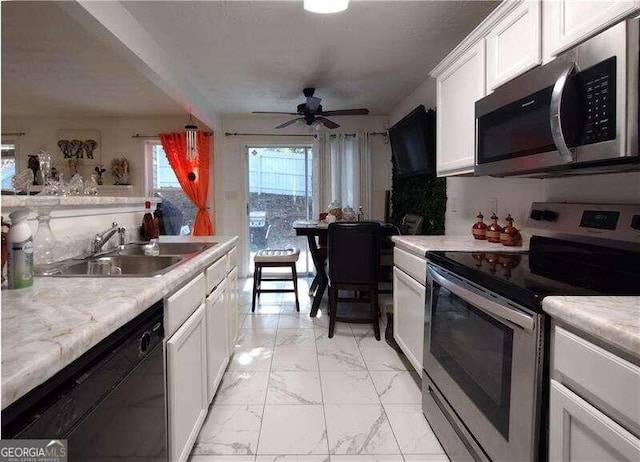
196, 189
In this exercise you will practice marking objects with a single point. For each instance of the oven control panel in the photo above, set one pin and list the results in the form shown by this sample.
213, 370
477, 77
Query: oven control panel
614, 221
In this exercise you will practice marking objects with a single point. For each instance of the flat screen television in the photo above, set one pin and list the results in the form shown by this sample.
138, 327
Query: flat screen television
413, 144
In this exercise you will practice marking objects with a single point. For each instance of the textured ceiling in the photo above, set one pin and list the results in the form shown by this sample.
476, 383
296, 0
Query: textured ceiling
242, 55
260, 55
52, 66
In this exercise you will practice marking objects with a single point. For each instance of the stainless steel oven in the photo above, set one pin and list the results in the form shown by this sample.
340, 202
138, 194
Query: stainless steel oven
483, 359
576, 114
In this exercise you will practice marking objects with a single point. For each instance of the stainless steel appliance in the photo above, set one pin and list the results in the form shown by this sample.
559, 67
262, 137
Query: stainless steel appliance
577, 114
485, 366
109, 404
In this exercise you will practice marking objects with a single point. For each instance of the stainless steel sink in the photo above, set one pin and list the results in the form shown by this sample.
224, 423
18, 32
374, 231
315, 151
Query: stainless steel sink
118, 266
166, 248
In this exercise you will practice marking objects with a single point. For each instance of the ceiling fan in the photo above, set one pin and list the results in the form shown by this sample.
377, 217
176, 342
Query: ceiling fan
311, 111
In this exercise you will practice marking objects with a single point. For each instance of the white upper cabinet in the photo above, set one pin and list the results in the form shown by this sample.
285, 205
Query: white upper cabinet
570, 22
514, 44
459, 86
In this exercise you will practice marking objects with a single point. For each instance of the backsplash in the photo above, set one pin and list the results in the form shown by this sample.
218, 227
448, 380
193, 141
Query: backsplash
466, 196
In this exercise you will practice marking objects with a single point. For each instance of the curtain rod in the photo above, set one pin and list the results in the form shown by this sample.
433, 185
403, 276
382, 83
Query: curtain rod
138, 135
266, 134
14, 134
288, 134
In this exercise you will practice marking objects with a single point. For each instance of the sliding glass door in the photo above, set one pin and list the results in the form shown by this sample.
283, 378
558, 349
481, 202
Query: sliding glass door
280, 183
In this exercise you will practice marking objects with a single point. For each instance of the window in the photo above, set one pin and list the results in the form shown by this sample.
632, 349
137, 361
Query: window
8, 163
162, 180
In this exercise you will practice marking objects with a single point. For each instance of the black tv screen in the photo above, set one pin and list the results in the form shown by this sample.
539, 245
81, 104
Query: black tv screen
413, 144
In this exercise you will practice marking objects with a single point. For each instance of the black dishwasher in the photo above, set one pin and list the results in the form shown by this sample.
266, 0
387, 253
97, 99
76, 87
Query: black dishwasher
109, 403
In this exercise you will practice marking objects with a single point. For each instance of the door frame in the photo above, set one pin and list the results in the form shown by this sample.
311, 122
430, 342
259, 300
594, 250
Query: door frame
246, 251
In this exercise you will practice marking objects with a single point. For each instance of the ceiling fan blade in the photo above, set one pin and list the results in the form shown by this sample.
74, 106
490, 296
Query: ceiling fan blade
291, 122
344, 112
313, 103
327, 123
271, 112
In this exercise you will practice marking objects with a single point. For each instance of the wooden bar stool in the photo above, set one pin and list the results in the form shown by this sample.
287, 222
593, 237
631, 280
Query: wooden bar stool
279, 258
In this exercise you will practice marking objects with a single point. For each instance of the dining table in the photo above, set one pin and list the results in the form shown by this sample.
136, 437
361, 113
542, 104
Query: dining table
318, 249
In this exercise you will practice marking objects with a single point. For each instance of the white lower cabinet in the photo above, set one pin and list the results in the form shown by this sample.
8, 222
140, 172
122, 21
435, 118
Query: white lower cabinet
217, 338
187, 384
232, 308
408, 316
594, 402
580, 432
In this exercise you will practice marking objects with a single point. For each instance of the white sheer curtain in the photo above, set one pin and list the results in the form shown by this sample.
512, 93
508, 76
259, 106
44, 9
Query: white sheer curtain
342, 172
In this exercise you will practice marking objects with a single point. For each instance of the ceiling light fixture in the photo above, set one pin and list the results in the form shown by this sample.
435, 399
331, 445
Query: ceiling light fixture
326, 6
191, 131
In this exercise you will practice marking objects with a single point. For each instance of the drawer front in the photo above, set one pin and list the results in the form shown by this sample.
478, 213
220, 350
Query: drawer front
185, 301
216, 273
232, 259
580, 432
413, 265
606, 376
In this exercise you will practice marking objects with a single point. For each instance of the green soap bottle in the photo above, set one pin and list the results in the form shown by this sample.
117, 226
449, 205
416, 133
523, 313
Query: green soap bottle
20, 245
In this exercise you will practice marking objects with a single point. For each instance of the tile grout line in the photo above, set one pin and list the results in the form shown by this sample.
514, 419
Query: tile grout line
384, 410
324, 412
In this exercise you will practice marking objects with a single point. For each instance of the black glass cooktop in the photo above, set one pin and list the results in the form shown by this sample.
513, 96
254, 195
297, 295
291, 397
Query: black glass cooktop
551, 267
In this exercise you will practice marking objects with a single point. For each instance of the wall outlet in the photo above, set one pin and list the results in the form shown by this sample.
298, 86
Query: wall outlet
453, 204
493, 205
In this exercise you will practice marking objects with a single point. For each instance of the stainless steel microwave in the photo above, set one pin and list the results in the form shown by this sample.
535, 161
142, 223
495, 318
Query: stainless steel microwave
577, 114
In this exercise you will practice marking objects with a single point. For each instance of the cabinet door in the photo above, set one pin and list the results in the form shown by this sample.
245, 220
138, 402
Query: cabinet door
186, 384
572, 22
408, 316
579, 432
217, 341
458, 88
232, 308
513, 45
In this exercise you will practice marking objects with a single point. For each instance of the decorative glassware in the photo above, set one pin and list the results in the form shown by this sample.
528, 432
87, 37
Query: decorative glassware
510, 236
91, 186
44, 159
494, 230
22, 181
479, 229
44, 241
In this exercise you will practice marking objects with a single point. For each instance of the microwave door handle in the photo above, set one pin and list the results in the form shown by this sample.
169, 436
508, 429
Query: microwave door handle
555, 113
519, 319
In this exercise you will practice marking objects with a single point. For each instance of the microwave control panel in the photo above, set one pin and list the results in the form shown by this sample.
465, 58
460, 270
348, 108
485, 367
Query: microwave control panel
599, 84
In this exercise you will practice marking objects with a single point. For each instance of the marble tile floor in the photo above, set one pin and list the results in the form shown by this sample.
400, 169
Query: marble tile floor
291, 394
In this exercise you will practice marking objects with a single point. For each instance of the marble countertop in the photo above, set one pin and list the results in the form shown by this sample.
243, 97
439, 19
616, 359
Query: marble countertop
613, 320
48, 326
9, 201
420, 245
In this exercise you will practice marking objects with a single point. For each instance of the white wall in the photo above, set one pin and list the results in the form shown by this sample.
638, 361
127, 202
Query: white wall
230, 197
466, 196
116, 139
425, 94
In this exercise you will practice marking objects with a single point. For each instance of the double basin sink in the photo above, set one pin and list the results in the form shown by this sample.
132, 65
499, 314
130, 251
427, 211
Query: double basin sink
130, 261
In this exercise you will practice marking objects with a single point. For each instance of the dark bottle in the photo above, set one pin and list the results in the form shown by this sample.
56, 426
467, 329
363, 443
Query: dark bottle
494, 230
510, 236
479, 229
149, 227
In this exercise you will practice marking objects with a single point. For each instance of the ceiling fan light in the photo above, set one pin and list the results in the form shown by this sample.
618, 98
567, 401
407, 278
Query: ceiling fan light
326, 6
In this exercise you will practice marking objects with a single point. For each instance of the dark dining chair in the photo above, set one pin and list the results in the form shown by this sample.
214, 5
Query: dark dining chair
354, 260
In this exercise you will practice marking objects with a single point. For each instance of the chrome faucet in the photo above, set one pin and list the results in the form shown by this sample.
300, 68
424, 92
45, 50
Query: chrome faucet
101, 239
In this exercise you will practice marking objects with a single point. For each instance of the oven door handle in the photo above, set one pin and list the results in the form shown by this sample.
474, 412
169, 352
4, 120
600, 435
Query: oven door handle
516, 317
555, 114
